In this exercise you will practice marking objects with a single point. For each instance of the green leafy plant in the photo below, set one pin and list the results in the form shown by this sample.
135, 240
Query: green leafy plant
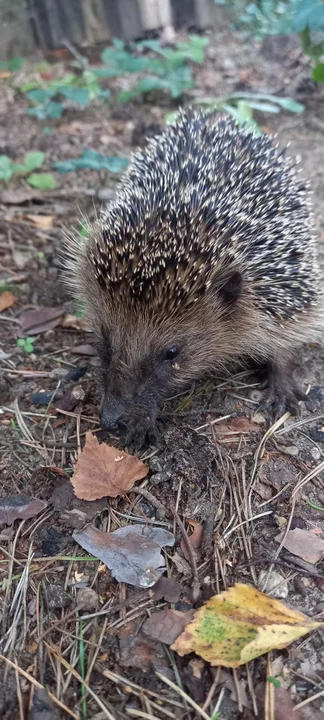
92, 160
274, 681
167, 71
79, 88
12, 65
32, 161
285, 17
27, 344
241, 106
306, 17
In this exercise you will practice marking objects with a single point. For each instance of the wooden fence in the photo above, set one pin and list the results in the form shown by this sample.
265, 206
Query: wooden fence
88, 22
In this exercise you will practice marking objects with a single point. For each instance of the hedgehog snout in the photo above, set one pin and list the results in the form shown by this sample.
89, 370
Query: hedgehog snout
112, 413
133, 423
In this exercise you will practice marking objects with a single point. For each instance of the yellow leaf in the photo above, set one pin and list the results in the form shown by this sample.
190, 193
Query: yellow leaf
239, 625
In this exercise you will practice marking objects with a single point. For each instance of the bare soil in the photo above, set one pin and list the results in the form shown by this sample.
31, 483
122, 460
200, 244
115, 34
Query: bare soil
226, 478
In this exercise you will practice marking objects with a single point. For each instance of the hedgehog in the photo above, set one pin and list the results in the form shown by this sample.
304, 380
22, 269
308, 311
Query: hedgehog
205, 261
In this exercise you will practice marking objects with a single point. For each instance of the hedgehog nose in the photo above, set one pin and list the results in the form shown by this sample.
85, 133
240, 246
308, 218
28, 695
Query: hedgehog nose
111, 416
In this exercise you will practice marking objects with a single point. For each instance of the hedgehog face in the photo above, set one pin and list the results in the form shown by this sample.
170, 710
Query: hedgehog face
137, 373
145, 360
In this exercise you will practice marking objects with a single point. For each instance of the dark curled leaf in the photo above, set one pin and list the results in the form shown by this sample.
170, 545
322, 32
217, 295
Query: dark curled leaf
23, 507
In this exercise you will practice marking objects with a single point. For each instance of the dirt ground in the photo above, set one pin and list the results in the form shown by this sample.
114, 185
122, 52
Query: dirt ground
213, 461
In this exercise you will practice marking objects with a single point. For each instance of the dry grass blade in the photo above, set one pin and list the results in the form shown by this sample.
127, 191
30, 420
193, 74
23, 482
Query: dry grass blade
140, 714
69, 667
308, 700
184, 695
39, 685
310, 476
120, 679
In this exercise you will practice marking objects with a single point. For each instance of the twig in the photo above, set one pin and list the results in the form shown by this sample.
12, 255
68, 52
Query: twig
151, 499
308, 700
191, 553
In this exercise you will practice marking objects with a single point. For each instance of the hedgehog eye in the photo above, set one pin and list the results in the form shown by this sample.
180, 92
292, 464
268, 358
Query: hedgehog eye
171, 353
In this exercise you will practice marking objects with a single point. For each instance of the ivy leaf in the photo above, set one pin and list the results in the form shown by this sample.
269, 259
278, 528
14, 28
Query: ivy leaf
77, 95
92, 160
33, 160
42, 181
53, 110
40, 95
5, 168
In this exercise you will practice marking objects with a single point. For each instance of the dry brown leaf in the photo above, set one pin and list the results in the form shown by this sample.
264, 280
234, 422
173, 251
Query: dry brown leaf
77, 323
23, 507
167, 588
41, 320
7, 299
42, 221
236, 426
167, 624
304, 544
105, 471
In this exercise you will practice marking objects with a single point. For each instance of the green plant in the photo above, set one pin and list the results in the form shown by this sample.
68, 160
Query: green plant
92, 160
274, 681
12, 65
32, 161
285, 17
306, 17
241, 105
167, 71
27, 344
79, 88
256, 18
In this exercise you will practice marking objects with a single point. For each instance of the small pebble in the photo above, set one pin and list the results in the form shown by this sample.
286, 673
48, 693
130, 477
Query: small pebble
276, 585
43, 398
259, 419
315, 453
292, 450
75, 374
88, 598
78, 393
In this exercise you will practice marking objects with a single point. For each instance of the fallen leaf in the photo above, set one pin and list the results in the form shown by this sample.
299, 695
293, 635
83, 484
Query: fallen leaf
132, 553
23, 507
7, 299
42, 221
83, 350
167, 624
41, 320
20, 259
282, 701
236, 426
77, 323
140, 652
195, 540
304, 544
105, 471
167, 588
239, 625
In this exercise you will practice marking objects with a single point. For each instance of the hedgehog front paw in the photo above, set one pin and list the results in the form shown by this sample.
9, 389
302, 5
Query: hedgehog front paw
283, 392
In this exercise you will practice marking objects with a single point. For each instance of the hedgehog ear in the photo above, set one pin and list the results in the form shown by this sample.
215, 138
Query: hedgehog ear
232, 287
